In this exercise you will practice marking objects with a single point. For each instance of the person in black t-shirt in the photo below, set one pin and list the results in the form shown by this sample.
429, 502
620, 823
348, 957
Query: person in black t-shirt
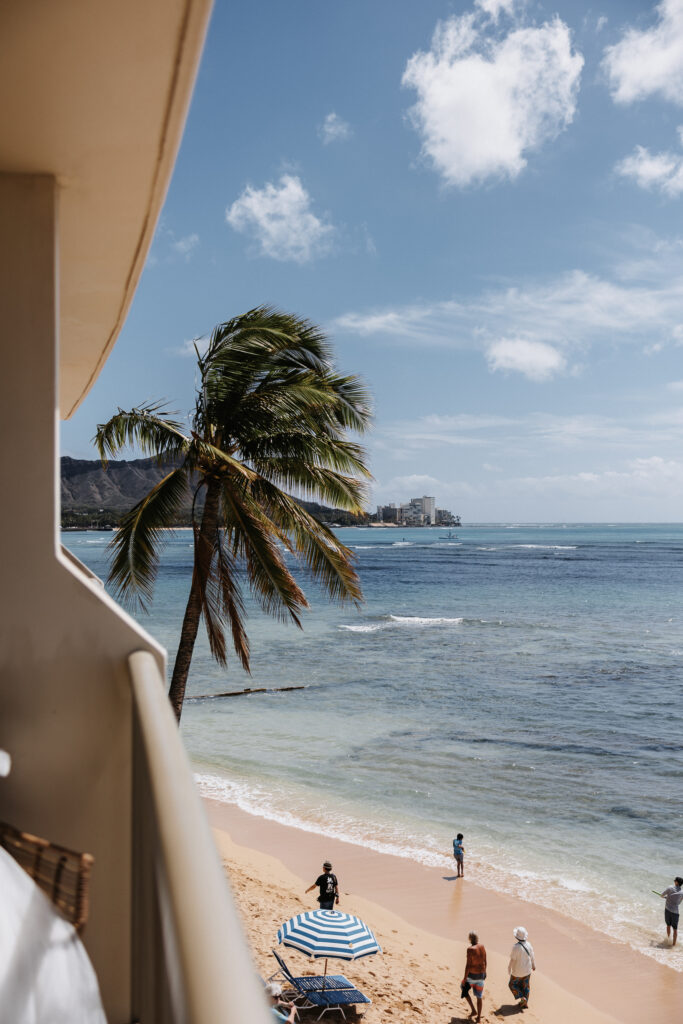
329, 888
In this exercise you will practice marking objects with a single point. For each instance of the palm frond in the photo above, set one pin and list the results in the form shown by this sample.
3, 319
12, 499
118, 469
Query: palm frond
231, 602
329, 561
216, 573
353, 406
210, 459
137, 543
142, 427
272, 453
315, 483
255, 539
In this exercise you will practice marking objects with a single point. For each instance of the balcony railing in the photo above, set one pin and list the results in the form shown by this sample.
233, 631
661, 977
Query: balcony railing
190, 962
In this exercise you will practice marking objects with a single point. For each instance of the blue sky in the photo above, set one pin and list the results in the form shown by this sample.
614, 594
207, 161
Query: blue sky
481, 203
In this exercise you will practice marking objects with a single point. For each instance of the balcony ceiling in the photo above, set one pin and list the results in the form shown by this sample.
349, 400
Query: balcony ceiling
95, 92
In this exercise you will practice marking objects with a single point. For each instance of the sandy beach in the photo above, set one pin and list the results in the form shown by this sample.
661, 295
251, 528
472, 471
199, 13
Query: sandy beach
421, 917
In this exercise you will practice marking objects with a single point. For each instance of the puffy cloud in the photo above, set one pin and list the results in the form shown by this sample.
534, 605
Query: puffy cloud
334, 129
484, 100
279, 218
660, 171
494, 8
534, 359
649, 62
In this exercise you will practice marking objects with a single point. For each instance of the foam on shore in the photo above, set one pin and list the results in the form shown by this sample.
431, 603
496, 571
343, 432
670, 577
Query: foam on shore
577, 896
422, 916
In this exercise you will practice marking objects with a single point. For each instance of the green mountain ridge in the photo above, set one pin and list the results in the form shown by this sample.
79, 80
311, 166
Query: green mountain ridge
95, 498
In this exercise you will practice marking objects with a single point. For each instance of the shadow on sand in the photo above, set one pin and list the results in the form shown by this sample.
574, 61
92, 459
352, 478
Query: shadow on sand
451, 878
507, 1010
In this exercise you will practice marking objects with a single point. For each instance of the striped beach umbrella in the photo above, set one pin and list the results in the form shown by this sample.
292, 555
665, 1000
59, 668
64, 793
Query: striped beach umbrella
329, 934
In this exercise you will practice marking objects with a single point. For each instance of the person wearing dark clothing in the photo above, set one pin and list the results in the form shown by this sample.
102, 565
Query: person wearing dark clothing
329, 888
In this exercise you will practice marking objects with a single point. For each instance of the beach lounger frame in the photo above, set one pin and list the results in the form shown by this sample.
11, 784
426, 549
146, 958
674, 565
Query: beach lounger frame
334, 999
310, 983
310, 990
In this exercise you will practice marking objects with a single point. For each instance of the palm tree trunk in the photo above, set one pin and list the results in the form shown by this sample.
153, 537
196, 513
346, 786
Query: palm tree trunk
193, 611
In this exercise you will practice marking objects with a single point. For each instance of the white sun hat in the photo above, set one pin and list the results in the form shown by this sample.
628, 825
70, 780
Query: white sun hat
520, 933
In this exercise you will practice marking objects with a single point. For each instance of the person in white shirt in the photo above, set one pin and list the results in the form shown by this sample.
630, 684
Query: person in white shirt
674, 897
522, 963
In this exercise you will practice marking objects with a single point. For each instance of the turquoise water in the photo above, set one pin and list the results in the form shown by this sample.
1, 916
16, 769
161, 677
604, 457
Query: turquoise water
518, 683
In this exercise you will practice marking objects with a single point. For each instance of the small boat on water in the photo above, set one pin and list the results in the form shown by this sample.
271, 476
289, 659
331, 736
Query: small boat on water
448, 536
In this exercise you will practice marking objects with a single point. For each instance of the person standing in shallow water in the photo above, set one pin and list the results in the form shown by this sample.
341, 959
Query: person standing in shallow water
674, 897
329, 888
475, 974
459, 854
522, 963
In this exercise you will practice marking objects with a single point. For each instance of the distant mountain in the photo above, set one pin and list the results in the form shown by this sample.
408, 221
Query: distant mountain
93, 497
87, 486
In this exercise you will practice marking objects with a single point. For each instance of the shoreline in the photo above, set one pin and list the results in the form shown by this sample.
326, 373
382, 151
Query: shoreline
581, 972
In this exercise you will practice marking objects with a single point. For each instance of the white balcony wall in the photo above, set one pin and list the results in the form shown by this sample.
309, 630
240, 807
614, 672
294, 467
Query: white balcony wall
65, 704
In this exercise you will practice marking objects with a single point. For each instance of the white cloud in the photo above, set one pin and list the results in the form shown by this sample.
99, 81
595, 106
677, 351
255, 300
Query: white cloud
494, 8
534, 359
462, 431
661, 171
186, 245
334, 129
600, 23
190, 347
536, 431
280, 220
540, 466
486, 101
675, 385
651, 477
649, 62
167, 247
401, 488
414, 482
639, 302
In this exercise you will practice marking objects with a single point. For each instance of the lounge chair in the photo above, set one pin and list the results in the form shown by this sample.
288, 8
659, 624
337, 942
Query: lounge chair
334, 999
311, 983
326, 998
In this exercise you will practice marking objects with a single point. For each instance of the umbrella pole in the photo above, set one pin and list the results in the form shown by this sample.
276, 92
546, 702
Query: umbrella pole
324, 974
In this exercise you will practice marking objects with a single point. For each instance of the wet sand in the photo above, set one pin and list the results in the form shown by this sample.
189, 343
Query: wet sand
422, 916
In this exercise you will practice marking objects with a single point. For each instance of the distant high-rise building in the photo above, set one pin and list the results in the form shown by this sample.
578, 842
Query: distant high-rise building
389, 514
416, 512
422, 510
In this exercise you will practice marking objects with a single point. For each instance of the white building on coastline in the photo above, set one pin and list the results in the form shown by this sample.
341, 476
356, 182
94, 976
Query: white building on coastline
416, 512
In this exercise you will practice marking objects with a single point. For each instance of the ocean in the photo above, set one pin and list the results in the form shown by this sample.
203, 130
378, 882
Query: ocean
519, 683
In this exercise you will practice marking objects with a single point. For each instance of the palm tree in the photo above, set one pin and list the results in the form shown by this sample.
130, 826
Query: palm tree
271, 417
